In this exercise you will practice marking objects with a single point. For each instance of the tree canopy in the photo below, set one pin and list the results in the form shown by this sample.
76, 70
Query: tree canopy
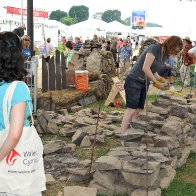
111, 15
68, 20
57, 15
80, 13
127, 21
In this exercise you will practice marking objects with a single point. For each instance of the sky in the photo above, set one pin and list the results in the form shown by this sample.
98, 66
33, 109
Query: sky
173, 13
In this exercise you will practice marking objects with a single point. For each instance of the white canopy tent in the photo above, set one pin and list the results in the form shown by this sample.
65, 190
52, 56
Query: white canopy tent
88, 28
91, 24
46, 28
49, 29
116, 26
9, 25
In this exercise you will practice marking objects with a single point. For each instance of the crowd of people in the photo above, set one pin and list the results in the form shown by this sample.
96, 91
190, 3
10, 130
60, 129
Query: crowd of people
155, 64
121, 49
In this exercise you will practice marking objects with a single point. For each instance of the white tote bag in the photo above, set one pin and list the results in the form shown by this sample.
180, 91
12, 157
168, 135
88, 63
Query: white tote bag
22, 171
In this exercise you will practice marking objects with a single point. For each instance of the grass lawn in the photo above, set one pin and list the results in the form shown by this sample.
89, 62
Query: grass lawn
184, 183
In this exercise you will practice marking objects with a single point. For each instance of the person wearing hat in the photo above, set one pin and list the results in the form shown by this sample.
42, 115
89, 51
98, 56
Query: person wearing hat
187, 61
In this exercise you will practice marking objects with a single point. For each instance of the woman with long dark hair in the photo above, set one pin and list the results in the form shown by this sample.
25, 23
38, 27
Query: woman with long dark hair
16, 132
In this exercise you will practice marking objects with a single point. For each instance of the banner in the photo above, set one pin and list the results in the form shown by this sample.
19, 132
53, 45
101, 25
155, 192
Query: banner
138, 19
17, 11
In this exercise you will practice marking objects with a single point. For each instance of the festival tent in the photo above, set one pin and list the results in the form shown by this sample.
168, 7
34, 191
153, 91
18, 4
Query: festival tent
9, 25
61, 27
92, 24
116, 26
49, 29
42, 29
88, 28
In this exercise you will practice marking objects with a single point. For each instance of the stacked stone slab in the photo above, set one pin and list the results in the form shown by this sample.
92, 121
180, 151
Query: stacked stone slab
152, 149
78, 124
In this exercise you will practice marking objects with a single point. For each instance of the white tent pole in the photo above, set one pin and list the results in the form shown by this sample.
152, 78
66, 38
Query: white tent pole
21, 12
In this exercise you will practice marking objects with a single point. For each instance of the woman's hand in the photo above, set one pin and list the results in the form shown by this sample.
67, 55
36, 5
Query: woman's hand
161, 85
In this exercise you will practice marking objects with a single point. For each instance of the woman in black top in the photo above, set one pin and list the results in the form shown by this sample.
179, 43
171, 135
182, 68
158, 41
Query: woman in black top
145, 70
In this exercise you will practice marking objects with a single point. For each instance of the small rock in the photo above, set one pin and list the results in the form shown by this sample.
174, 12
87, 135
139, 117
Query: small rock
85, 142
50, 179
78, 137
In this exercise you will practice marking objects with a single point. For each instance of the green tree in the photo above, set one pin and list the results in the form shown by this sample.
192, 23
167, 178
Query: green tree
111, 15
127, 21
80, 13
68, 20
57, 15
97, 15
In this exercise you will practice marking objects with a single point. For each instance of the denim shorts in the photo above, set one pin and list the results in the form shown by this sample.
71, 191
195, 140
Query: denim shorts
135, 91
194, 79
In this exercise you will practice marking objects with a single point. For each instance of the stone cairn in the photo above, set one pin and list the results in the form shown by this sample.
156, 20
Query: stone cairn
93, 59
99, 63
171, 131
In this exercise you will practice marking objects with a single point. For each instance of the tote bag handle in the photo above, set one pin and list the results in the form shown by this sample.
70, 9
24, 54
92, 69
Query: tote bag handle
7, 103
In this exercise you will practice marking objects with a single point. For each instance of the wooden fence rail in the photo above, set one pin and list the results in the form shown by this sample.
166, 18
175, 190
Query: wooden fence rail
54, 75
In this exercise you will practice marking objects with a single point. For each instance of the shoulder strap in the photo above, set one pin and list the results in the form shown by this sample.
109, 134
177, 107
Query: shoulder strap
7, 103
31, 113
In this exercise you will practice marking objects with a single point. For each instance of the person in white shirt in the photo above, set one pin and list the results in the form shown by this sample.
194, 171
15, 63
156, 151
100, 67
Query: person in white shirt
192, 53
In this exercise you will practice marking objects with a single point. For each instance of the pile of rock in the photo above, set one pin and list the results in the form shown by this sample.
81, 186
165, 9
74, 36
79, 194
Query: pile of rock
79, 125
169, 130
96, 62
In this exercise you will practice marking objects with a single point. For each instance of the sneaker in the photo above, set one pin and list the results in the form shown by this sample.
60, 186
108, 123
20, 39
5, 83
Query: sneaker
172, 88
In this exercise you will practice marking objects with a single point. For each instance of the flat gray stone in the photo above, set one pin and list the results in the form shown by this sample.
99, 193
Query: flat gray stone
108, 163
79, 191
131, 134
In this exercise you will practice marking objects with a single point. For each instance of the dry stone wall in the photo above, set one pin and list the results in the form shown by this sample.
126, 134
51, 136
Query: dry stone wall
169, 133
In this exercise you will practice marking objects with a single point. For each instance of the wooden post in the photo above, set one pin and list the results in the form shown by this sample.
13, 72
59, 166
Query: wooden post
63, 66
44, 76
52, 74
58, 71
